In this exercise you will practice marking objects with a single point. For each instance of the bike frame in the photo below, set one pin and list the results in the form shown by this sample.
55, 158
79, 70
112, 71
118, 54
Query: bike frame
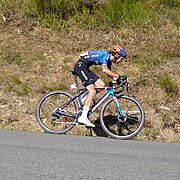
110, 91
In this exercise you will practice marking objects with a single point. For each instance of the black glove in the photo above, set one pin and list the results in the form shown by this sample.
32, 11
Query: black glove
121, 80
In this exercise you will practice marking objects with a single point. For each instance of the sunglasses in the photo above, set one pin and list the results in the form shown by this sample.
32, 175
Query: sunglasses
117, 56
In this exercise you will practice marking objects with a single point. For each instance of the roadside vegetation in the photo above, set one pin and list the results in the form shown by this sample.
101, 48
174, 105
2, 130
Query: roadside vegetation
40, 40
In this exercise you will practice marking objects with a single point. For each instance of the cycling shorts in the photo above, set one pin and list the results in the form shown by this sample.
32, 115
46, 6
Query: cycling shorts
82, 70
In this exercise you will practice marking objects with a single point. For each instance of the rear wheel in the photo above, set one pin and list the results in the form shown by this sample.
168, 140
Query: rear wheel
132, 122
68, 110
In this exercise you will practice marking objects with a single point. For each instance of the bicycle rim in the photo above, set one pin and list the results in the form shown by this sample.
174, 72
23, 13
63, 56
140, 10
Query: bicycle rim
118, 128
46, 106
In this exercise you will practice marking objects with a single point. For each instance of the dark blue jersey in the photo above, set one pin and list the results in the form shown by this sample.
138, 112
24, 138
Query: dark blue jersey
100, 57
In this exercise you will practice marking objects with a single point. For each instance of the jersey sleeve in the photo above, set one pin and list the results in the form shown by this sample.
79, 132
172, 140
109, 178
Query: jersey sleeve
105, 57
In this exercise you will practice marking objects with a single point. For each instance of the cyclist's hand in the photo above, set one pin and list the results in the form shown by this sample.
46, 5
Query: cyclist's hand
114, 80
121, 80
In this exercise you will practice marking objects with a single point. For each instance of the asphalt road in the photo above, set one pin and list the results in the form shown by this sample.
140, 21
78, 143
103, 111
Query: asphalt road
30, 155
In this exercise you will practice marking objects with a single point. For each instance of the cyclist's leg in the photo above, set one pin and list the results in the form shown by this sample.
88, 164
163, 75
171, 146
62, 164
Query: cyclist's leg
91, 93
84, 116
82, 70
99, 83
88, 79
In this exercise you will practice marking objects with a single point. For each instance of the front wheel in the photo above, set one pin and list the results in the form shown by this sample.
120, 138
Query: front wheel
68, 110
122, 128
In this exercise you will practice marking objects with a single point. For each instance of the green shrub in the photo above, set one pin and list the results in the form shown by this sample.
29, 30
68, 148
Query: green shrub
61, 13
60, 9
87, 20
13, 83
131, 11
168, 3
148, 62
168, 85
12, 5
56, 12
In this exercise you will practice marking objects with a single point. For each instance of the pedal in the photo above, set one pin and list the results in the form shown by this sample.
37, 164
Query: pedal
79, 113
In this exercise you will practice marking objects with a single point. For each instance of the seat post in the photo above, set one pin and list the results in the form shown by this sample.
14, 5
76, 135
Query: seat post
76, 82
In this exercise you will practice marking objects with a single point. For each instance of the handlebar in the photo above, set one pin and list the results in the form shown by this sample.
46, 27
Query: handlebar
123, 85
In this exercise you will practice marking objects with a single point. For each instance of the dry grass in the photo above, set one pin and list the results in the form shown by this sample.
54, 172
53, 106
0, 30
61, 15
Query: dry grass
35, 60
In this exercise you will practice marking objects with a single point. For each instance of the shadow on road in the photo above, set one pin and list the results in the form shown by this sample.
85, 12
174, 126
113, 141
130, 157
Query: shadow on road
109, 121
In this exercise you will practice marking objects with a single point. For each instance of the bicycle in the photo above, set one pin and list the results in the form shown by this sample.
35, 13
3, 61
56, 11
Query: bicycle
121, 116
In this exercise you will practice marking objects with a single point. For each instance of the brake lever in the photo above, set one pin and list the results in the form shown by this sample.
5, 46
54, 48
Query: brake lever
111, 84
127, 88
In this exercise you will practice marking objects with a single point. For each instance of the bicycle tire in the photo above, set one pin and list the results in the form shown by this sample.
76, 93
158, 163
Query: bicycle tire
44, 111
110, 121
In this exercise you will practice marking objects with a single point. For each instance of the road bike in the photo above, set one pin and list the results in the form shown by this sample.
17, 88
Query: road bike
121, 116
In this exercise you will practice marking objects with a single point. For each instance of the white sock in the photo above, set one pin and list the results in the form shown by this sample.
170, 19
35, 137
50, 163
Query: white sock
85, 111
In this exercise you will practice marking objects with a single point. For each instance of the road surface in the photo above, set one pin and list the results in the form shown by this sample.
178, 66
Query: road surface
31, 155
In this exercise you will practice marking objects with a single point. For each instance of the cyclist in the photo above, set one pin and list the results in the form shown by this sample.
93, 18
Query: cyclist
90, 80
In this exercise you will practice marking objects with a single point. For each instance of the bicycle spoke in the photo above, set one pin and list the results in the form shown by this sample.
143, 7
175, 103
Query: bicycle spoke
134, 119
114, 127
127, 128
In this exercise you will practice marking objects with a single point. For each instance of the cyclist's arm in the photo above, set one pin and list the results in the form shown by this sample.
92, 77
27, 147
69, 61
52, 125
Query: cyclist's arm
109, 72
